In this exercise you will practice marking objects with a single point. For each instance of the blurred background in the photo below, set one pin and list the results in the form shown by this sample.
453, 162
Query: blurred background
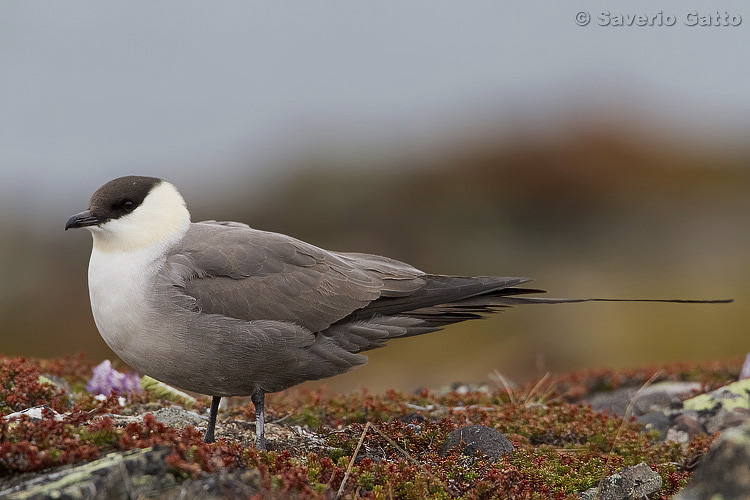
462, 137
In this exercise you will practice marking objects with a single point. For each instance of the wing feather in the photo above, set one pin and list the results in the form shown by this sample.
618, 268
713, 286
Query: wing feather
248, 274
356, 300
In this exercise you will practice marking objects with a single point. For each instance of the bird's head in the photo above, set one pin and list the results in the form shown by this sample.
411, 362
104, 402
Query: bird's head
133, 212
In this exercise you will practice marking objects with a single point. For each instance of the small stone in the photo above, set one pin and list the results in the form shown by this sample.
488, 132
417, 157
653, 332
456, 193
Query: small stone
486, 440
412, 418
413, 422
679, 437
688, 423
174, 416
631, 482
36, 413
655, 421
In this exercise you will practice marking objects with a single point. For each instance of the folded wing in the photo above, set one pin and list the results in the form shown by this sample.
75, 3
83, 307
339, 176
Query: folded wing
235, 271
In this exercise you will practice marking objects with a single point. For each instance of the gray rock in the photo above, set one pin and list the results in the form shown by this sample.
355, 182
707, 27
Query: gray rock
220, 486
631, 482
174, 416
724, 472
614, 402
687, 423
684, 425
488, 441
656, 421
660, 396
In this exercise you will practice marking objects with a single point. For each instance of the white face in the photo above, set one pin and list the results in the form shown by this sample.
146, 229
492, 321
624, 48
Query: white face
160, 220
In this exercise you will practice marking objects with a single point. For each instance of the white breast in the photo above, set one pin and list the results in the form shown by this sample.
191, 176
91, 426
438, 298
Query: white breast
119, 288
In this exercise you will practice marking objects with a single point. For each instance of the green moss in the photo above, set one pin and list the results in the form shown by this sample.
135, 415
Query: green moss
100, 437
366, 480
314, 469
54, 454
309, 417
566, 471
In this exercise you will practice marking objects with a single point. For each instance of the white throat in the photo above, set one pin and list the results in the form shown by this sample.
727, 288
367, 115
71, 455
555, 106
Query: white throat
159, 222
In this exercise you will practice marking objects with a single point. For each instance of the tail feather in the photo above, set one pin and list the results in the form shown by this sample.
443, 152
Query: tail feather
444, 300
477, 307
450, 299
512, 301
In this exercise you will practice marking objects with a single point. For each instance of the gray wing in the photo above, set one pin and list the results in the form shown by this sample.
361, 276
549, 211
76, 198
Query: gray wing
281, 302
238, 272
243, 273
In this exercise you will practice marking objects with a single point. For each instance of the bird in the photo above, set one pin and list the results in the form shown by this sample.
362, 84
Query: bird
222, 309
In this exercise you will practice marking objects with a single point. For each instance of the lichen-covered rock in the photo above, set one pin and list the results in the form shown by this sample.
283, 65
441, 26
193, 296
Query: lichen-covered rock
729, 397
486, 440
724, 472
631, 482
133, 474
726, 407
116, 476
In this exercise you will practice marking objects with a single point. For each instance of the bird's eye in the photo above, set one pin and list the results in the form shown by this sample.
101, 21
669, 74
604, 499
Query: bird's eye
128, 205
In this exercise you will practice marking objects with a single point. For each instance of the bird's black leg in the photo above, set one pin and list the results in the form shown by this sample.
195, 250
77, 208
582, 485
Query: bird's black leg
212, 420
258, 398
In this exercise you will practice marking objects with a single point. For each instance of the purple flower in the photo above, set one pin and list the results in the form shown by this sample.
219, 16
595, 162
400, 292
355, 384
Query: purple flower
106, 379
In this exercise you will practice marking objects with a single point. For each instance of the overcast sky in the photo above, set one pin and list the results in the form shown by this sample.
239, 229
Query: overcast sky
194, 90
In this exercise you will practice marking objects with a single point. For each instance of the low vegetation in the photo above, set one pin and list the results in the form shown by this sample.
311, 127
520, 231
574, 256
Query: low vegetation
385, 445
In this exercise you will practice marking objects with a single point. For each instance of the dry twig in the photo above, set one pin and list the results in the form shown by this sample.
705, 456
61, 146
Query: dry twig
351, 462
625, 419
